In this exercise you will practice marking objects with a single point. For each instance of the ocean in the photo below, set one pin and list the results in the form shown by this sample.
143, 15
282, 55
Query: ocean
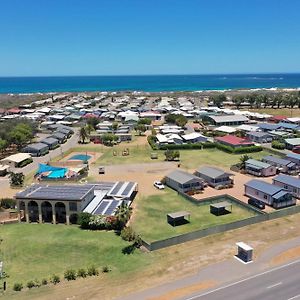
151, 83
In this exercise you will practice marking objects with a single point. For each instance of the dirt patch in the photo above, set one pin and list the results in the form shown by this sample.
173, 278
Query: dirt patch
178, 293
286, 256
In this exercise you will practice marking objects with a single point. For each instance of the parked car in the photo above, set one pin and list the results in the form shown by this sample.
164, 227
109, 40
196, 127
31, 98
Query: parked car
296, 149
158, 185
256, 203
101, 170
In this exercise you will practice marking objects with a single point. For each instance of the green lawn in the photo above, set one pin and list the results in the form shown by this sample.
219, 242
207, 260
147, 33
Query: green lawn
191, 159
151, 222
36, 251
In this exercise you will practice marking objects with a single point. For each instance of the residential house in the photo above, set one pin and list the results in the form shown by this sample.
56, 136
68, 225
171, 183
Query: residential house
233, 141
36, 149
227, 120
291, 143
268, 127
259, 168
294, 157
289, 183
214, 177
61, 137
259, 137
52, 143
16, 160
288, 126
283, 165
183, 182
194, 137
269, 194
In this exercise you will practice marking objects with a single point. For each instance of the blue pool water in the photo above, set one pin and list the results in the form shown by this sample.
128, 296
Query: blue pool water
83, 157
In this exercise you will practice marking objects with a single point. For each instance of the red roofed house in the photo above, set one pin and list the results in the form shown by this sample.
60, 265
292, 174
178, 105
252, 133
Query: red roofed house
13, 111
277, 119
233, 141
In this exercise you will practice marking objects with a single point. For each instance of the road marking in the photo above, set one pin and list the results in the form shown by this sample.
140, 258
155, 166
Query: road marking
246, 279
274, 285
295, 297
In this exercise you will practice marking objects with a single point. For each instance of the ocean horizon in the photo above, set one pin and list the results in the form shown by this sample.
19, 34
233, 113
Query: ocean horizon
148, 83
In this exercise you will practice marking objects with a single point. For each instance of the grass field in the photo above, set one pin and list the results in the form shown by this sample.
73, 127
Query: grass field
32, 251
190, 159
295, 112
153, 210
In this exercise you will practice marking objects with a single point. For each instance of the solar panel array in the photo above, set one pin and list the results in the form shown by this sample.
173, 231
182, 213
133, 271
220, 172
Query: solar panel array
102, 207
117, 188
68, 192
128, 188
111, 209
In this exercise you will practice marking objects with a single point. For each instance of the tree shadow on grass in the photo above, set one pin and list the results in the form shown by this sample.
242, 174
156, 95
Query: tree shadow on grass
129, 249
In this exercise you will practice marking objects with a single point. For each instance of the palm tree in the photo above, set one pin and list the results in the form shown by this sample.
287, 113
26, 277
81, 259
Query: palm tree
243, 160
83, 134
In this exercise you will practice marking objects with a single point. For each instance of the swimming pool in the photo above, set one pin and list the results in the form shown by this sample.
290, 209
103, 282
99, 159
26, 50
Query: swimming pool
83, 157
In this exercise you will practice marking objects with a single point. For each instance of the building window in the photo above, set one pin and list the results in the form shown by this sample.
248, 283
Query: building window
295, 190
73, 206
285, 187
256, 192
265, 196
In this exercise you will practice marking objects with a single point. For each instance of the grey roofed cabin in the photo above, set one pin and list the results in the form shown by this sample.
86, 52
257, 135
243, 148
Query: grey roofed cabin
289, 183
284, 165
260, 137
228, 119
259, 168
61, 137
294, 157
51, 142
36, 149
184, 182
268, 193
214, 176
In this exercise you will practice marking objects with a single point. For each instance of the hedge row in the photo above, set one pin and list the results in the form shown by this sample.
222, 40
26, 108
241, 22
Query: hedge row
240, 150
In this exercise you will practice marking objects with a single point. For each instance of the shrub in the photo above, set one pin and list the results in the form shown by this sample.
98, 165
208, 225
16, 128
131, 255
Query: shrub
92, 271
30, 284
105, 269
37, 283
151, 141
8, 203
84, 220
278, 145
18, 287
70, 275
44, 281
127, 234
55, 279
239, 150
81, 273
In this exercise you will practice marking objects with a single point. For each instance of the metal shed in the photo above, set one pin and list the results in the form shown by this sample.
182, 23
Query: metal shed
178, 218
220, 208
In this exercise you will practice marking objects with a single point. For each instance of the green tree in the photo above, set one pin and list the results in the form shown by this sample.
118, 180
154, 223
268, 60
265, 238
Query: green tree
238, 100
145, 121
93, 121
181, 121
115, 126
172, 155
140, 128
123, 213
109, 139
16, 179
83, 134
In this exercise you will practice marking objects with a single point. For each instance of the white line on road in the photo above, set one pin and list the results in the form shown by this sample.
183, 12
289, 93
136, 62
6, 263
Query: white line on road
295, 297
274, 285
243, 280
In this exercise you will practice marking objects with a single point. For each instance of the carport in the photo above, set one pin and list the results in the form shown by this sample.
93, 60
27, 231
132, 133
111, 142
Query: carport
221, 208
178, 218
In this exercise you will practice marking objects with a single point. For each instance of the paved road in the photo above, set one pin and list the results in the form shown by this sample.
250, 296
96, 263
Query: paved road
281, 283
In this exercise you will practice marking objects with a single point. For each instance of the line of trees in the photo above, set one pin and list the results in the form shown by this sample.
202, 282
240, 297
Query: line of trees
16, 132
261, 100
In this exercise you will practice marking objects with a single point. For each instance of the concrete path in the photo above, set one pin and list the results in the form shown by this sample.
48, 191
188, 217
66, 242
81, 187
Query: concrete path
223, 273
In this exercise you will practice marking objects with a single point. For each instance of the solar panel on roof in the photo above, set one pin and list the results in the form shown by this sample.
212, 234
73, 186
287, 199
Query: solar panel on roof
112, 207
117, 188
128, 188
101, 208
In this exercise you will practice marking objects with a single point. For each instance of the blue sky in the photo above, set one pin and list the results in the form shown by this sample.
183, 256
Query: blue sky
119, 37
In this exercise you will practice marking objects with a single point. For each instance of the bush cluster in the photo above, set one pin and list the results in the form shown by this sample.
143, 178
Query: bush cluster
8, 203
278, 145
68, 275
240, 150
